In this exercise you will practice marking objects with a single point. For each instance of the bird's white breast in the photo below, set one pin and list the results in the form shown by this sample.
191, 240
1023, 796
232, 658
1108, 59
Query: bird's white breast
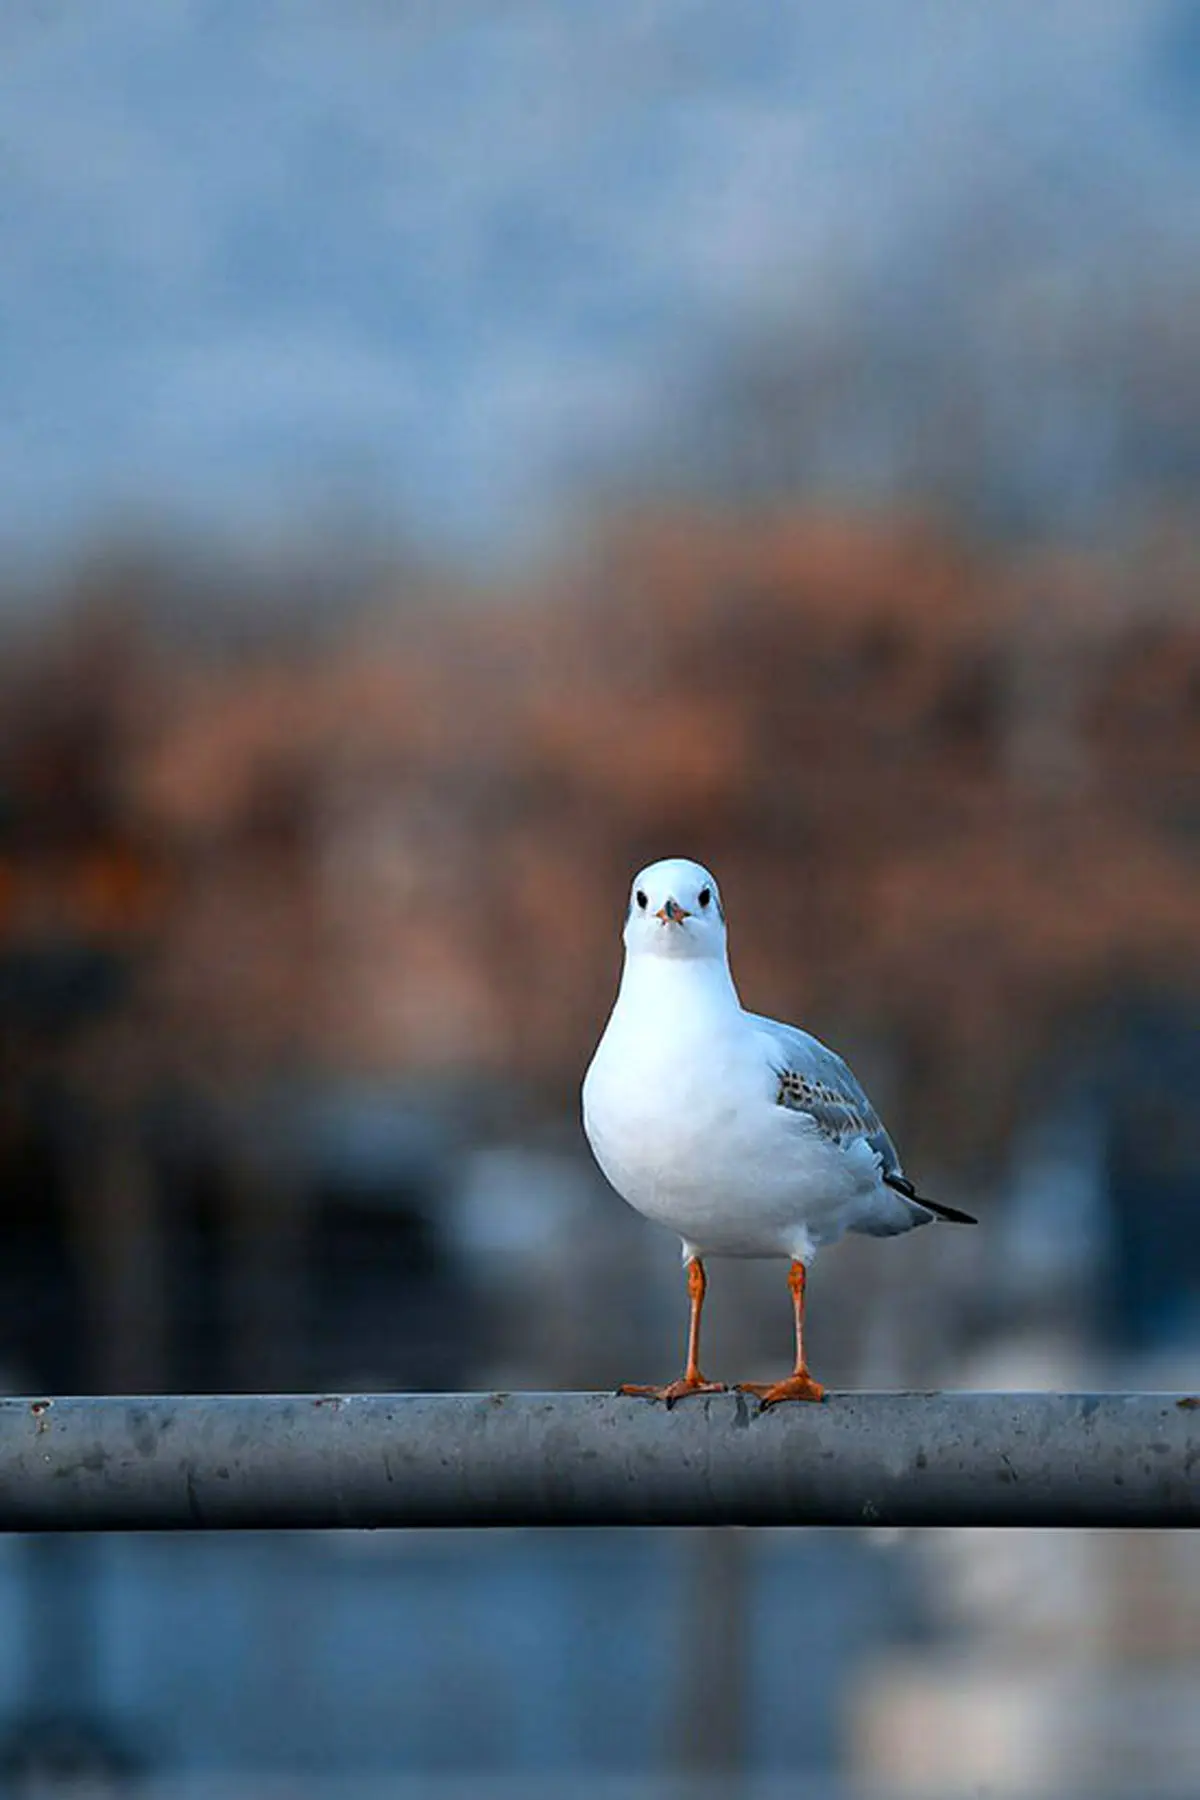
680, 1110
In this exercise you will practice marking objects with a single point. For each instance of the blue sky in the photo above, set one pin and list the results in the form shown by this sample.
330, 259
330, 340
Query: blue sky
442, 274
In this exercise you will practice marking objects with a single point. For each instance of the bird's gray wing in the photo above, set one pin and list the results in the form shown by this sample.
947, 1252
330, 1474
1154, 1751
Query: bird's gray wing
814, 1080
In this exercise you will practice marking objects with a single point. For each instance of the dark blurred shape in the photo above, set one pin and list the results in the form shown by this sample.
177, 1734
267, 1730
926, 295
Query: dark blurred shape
64, 1736
56, 1752
1152, 1289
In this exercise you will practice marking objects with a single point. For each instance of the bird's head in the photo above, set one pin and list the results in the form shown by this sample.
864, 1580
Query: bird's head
675, 910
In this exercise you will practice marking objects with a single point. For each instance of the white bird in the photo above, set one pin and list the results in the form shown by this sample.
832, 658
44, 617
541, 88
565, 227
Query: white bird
746, 1136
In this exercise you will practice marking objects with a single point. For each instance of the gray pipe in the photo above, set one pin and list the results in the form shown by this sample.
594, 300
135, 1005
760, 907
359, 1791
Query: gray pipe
262, 1460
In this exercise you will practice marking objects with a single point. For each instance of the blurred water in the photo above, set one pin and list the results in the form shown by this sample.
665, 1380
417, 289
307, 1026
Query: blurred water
499, 1653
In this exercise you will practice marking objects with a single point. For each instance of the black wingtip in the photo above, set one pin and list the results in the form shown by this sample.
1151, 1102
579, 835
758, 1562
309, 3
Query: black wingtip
950, 1214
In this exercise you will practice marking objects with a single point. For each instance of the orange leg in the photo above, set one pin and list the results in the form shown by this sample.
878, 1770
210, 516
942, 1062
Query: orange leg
691, 1381
800, 1384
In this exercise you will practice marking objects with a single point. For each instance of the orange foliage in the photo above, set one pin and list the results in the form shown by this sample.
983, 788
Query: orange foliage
954, 804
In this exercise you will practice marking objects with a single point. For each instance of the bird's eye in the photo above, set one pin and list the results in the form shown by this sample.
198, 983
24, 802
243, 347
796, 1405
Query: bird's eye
641, 900
705, 896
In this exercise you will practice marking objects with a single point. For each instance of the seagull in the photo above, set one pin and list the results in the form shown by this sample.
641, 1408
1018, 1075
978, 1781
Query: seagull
746, 1136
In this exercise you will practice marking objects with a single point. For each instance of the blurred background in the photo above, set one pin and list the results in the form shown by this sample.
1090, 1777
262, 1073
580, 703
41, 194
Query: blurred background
451, 454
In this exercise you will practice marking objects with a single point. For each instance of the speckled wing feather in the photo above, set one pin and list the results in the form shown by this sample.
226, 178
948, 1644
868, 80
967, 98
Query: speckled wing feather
813, 1079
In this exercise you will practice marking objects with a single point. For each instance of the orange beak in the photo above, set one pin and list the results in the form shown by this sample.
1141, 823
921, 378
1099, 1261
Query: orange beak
672, 914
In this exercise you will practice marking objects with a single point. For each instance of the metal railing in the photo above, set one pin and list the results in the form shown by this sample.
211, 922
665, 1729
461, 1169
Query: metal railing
262, 1460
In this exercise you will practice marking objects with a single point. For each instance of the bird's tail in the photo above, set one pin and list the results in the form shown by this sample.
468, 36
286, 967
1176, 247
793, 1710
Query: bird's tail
951, 1214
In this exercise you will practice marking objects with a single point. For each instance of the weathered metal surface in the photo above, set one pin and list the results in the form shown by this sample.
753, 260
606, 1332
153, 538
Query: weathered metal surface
210, 1461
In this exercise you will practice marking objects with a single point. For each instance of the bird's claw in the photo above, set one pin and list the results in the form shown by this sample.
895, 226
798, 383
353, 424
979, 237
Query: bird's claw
674, 1390
796, 1387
